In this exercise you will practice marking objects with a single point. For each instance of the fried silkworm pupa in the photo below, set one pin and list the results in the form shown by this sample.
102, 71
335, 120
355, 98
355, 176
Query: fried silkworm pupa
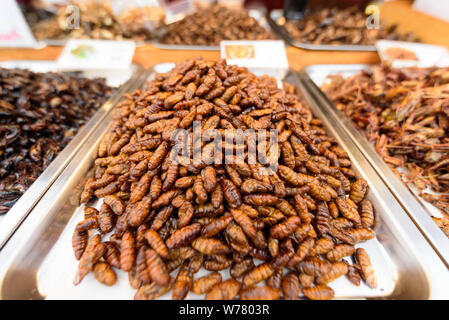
290, 286
90, 212
226, 290
182, 284
322, 246
285, 228
340, 251
358, 190
115, 204
79, 242
152, 291
367, 213
200, 191
204, 284
183, 236
94, 251
210, 246
366, 269
260, 293
339, 269
209, 177
320, 292
314, 266
127, 254
106, 219
155, 241
231, 193
112, 255
238, 269
156, 267
87, 224
305, 279
104, 274
215, 226
353, 274
257, 274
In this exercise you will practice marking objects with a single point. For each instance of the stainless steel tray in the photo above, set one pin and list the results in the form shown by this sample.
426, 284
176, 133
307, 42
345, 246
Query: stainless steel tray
417, 208
37, 262
11, 220
274, 15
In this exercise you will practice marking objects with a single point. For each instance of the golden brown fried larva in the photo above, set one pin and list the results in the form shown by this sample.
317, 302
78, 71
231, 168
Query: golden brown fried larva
290, 286
104, 274
127, 254
257, 274
226, 290
260, 293
366, 269
320, 292
204, 284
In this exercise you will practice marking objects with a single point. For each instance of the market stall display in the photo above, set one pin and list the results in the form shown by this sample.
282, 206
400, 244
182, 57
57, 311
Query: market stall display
41, 113
404, 112
208, 26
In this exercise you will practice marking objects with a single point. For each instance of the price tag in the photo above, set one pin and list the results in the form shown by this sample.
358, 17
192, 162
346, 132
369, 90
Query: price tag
14, 30
261, 57
81, 54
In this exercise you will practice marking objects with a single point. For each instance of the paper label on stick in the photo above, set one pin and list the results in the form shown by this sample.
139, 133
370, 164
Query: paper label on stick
96, 54
261, 57
14, 30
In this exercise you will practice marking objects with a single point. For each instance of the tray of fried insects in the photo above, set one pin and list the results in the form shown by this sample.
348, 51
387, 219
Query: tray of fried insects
206, 27
309, 218
332, 29
46, 116
398, 119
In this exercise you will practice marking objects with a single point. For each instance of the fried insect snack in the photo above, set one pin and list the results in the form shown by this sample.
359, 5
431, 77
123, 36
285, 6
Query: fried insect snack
209, 26
405, 114
345, 26
40, 114
175, 215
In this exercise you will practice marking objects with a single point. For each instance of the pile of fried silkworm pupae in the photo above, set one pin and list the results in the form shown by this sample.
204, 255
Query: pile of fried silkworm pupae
165, 219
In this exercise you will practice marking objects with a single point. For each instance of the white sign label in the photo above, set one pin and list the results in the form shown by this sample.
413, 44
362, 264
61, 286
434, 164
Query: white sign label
80, 54
261, 57
14, 30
